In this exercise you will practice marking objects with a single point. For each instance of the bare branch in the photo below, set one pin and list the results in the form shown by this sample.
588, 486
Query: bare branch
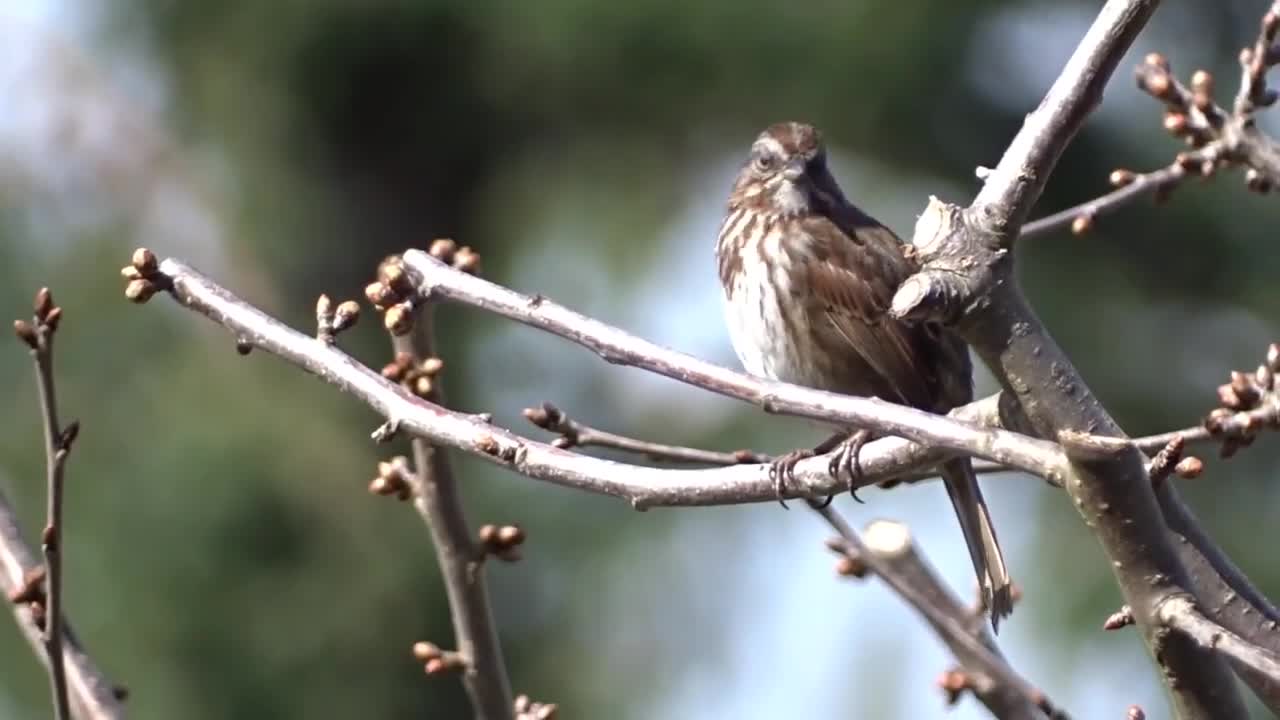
1254, 63
642, 486
93, 696
40, 589
890, 553
1131, 186
574, 433
577, 434
1181, 614
435, 496
1013, 187
967, 278
1220, 137
57, 446
437, 280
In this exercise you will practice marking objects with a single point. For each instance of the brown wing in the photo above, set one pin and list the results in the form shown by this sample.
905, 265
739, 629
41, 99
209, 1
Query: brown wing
854, 276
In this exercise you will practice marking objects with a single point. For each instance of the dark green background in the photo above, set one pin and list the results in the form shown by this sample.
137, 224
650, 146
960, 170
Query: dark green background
224, 559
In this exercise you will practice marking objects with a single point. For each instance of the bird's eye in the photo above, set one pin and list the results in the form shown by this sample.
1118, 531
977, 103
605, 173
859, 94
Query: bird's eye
763, 162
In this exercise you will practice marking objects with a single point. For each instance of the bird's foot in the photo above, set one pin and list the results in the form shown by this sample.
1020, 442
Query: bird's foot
845, 460
783, 471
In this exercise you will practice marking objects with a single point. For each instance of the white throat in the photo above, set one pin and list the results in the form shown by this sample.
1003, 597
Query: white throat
790, 198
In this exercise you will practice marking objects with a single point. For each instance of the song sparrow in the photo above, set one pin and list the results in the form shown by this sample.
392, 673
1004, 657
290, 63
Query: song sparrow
807, 281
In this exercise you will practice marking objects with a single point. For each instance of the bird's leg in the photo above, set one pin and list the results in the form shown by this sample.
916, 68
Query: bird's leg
783, 468
846, 459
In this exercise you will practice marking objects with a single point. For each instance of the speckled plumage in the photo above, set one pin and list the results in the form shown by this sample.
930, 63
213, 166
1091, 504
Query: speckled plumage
808, 279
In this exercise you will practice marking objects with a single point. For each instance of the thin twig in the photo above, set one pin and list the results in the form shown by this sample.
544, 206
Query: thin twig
1154, 182
38, 336
437, 501
893, 559
1014, 185
575, 433
56, 450
578, 434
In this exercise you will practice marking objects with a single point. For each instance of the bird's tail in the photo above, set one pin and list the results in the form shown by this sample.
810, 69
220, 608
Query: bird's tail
980, 536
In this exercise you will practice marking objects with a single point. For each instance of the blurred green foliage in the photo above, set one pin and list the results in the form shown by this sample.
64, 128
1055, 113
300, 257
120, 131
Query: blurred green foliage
224, 560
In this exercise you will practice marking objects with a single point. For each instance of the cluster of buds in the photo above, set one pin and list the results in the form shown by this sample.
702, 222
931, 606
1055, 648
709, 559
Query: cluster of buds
330, 320
32, 594
436, 661
144, 276
527, 709
848, 562
1170, 461
462, 258
46, 318
418, 377
501, 541
392, 294
393, 479
1190, 113
1135, 712
1249, 403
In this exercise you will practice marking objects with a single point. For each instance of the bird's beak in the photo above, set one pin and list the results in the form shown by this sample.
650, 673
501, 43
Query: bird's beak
794, 170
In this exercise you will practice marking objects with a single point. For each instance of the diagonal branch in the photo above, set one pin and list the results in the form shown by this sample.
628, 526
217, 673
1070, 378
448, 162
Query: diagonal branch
1080, 217
889, 552
1013, 187
1181, 615
93, 696
995, 684
642, 486
967, 278
437, 280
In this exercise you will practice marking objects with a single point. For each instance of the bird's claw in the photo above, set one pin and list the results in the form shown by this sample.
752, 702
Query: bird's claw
845, 460
783, 471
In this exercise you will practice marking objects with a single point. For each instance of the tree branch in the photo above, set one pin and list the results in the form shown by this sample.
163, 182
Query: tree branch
1080, 217
435, 280
24, 581
57, 446
93, 696
967, 277
1004, 693
435, 496
643, 486
1181, 615
889, 552
904, 454
1013, 187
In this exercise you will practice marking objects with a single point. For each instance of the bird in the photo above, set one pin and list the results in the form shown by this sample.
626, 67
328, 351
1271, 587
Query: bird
807, 281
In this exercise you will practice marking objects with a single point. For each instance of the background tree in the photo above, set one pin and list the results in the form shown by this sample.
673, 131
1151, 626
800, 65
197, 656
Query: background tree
219, 563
